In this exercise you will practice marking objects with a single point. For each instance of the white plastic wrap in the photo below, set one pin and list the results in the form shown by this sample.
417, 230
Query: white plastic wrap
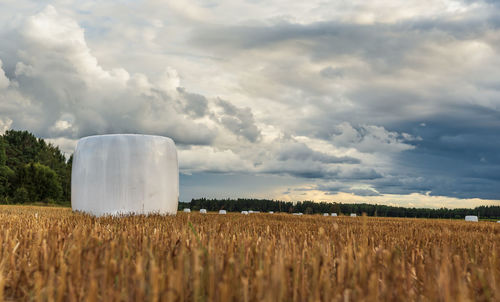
187, 210
222, 212
471, 218
353, 215
326, 214
125, 174
334, 214
203, 211
244, 212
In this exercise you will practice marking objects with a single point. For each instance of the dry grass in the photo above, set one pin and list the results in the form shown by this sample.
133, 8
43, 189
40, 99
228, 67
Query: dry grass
56, 255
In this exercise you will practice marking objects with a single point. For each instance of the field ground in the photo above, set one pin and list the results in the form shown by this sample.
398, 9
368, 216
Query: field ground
52, 254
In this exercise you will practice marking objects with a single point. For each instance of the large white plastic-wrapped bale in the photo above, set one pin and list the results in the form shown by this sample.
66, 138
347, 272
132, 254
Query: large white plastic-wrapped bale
222, 212
125, 174
271, 212
353, 215
326, 214
187, 210
203, 211
471, 218
245, 212
297, 214
334, 214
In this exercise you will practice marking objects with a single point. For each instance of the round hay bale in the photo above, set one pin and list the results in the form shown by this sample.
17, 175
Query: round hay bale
244, 212
353, 215
271, 212
203, 211
471, 218
125, 174
187, 210
334, 214
222, 212
326, 214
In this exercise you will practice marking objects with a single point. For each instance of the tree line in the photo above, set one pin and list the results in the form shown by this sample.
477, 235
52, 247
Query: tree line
32, 170
311, 207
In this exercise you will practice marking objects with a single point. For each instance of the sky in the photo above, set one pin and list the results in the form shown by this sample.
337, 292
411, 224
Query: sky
389, 102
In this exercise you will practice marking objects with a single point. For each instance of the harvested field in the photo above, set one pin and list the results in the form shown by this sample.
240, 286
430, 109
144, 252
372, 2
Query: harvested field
52, 254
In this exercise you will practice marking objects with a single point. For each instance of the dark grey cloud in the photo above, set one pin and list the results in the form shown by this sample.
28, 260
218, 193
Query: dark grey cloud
385, 45
240, 121
196, 104
454, 155
360, 174
301, 152
331, 73
316, 169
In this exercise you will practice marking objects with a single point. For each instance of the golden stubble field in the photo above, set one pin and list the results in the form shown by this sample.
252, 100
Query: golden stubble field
52, 254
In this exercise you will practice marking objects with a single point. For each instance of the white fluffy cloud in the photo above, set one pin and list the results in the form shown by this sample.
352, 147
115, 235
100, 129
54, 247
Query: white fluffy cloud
56, 73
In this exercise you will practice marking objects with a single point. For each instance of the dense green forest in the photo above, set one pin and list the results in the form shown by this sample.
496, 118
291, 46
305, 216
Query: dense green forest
310, 207
32, 170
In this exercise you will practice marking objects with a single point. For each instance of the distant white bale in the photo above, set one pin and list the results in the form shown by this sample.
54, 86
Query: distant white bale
498, 221
326, 214
271, 212
222, 212
471, 218
187, 210
203, 211
334, 214
125, 174
244, 212
256, 212
297, 214
250, 212
353, 215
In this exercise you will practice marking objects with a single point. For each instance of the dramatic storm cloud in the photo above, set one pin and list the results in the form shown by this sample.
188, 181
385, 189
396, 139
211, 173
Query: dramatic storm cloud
392, 102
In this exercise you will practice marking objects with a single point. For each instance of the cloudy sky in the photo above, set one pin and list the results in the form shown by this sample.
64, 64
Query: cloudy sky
393, 102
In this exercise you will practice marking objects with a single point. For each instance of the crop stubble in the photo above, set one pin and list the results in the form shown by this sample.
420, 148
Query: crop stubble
52, 254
